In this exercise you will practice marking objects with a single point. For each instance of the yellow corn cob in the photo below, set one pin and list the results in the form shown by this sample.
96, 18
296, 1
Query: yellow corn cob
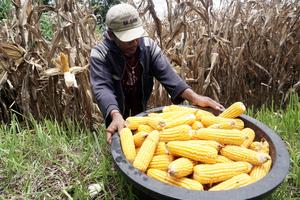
224, 125
210, 120
195, 152
64, 62
170, 115
265, 146
200, 113
189, 184
260, 171
144, 157
178, 108
180, 167
127, 144
161, 176
170, 108
223, 159
250, 137
267, 165
223, 136
238, 153
156, 123
154, 115
137, 150
233, 183
144, 128
239, 124
197, 125
185, 119
161, 149
211, 143
182, 132
161, 162
139, 138
256, 146
181, 182
262, 146
214, 173
233, 111
134, 122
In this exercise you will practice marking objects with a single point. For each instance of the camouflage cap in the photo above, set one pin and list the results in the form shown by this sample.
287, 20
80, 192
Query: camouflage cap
124, 21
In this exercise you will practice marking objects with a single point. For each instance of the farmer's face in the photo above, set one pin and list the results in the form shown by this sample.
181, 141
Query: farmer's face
127, 48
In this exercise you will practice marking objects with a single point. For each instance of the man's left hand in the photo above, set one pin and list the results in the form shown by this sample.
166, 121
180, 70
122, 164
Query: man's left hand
204, 101
199, 100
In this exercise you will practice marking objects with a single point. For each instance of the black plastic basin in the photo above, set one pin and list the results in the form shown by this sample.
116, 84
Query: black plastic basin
158, 190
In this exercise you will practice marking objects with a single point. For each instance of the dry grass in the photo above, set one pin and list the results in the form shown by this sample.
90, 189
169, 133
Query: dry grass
245, 51
29, 74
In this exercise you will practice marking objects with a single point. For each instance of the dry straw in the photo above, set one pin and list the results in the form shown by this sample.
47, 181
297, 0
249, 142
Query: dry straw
29, 64
243, 51
234, 52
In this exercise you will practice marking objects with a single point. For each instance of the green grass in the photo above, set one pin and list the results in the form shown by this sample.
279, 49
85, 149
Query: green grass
46, 24
5, 7
43, 160
47, 161
286, 122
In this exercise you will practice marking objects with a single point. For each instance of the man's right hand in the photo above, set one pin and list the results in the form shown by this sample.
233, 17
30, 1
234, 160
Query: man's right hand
116, 125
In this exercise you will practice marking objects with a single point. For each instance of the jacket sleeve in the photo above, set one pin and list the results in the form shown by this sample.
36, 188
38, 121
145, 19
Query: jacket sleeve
165, 74
102, 84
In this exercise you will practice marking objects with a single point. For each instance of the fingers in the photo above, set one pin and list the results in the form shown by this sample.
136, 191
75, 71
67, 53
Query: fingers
213, 104
108, 137
109, 132
217, 106
208, 102
221, 107
112, 129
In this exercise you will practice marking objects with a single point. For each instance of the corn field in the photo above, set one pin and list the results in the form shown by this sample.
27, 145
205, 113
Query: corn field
242, 51
245, 51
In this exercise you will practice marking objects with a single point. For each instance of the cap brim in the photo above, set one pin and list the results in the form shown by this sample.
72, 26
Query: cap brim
131, 34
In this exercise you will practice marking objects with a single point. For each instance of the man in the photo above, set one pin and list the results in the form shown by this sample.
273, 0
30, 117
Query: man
122, 68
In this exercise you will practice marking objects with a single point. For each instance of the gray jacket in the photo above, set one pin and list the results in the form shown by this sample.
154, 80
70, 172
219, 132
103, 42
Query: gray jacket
106, 72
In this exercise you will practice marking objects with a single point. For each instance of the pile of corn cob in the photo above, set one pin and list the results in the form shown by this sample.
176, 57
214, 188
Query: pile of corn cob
194, 149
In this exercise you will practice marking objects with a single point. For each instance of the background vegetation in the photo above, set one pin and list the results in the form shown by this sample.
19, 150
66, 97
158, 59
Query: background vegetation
247, 51
5, 7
